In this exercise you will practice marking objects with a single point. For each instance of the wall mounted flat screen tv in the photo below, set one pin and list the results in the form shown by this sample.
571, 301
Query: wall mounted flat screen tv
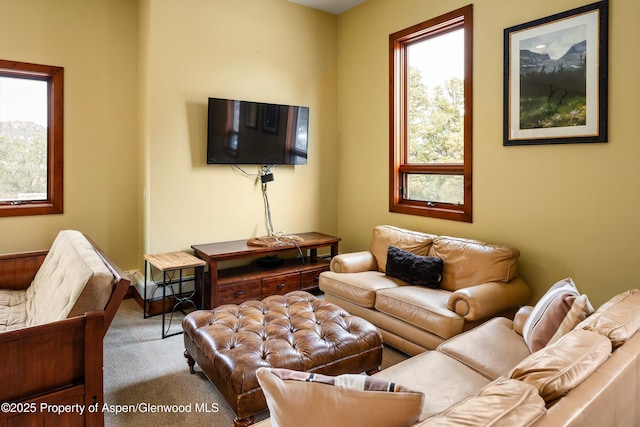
243, 132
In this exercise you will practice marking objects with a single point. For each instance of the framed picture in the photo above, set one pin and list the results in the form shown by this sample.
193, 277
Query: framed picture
555, 78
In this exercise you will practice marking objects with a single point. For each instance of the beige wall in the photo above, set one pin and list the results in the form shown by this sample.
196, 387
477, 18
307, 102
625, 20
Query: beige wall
137, 76
256, 50
572, 210
96, 43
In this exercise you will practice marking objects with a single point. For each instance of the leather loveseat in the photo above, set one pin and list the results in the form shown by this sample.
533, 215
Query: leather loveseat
478, 281
587, 377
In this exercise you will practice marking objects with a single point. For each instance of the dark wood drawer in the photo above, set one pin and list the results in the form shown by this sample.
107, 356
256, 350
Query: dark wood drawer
280, 285
235, 294
309, 279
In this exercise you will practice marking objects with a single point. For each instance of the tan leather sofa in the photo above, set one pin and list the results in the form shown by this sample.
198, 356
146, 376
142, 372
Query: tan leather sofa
487, 376
479, 281
55, 308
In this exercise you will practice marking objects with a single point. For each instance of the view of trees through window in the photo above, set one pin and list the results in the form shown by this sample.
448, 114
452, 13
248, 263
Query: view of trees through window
436, 116
23, 139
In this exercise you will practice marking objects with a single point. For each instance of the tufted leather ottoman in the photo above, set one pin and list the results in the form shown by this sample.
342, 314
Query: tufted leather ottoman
295, 331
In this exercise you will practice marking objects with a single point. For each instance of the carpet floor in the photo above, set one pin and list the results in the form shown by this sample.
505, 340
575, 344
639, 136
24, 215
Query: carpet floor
147, 380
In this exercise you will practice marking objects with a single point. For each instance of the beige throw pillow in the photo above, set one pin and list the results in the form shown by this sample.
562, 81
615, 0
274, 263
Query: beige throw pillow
312, 400
559, 310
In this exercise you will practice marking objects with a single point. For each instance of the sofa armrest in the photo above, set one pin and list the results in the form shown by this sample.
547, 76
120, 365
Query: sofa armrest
354, 262
488, 299
521, 316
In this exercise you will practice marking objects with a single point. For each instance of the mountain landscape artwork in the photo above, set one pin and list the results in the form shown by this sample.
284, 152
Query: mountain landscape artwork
553, 79
556, 78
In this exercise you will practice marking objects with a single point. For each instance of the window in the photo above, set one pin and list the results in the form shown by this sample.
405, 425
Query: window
431, 117
31, 117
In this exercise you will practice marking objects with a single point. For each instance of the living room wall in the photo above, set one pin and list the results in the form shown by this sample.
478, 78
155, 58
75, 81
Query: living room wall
96, 43
255, 50
572, 210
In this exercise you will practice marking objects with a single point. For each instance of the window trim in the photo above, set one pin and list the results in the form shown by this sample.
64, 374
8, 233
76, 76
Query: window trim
54, 76
398, 78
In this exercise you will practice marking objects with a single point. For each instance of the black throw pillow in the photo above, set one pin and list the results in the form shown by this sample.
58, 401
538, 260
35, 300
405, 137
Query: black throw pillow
414, 269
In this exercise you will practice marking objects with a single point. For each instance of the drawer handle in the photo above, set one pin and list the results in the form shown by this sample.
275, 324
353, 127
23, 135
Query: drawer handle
238, 293
281, 285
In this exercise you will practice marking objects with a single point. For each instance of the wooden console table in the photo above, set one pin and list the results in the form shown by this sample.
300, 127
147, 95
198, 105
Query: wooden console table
237, 284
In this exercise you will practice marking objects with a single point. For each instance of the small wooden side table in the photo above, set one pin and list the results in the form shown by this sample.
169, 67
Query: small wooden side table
169, 263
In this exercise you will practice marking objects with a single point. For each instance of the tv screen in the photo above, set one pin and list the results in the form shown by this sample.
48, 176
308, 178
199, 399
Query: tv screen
243, 132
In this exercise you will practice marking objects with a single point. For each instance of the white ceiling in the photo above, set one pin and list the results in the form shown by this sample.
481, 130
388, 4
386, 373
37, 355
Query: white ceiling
332, 6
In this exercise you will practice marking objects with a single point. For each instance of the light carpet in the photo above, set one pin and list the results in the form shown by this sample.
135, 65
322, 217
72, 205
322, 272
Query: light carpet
147, 380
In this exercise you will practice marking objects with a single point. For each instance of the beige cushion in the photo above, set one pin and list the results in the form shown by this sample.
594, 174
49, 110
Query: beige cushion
559, 310
503, 403
422, 307
471, 262
13, 309
385, 235
63, 277
295, 399
359, 288
492, 349
561, 366
618, 319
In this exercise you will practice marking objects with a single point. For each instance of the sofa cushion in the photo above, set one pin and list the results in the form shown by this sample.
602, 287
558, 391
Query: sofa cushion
502, 403
444, 380
618, 319
422, 307
13, 309
63, 277
359, 288
561, 366
471, 262
414, 269
386, 235
559, 310
492, 349
301, 399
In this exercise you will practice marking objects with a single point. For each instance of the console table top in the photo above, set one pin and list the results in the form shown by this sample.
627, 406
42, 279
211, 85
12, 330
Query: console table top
239, 248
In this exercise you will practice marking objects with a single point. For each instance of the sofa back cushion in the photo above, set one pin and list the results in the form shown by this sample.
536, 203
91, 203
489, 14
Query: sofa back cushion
72, 274
386, 235
559, 367
502, 403
618, 319
472, 262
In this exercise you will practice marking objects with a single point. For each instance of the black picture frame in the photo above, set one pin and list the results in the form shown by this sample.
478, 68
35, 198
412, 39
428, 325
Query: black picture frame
556, 78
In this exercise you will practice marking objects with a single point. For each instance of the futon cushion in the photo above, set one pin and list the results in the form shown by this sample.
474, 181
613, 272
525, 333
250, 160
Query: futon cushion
13, 309
71, 266
561, 366
618, 319
559, 310
414, 269
502, 403
472, 262
386, 235
302, 399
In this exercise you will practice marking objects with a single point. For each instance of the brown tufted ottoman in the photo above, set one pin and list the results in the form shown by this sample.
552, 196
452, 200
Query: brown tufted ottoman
295, 331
